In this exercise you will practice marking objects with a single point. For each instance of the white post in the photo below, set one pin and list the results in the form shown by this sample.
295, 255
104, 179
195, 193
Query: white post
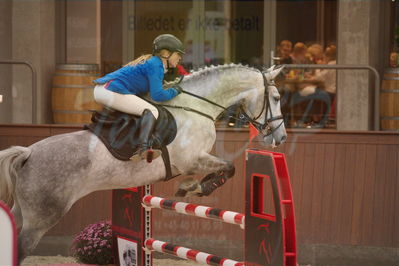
8, 237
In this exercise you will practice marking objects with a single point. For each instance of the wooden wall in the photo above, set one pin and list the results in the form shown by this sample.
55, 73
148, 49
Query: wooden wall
345, 186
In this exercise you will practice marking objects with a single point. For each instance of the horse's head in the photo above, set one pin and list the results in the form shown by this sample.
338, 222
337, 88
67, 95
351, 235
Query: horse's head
275, 133
270, 121
227, 85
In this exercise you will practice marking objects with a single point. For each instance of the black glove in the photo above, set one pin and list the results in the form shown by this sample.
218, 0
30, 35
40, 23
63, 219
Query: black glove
178, 88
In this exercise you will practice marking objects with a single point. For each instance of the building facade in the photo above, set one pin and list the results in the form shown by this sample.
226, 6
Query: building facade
111, 33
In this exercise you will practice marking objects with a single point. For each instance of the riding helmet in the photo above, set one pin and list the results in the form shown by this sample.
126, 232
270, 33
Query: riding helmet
168, 42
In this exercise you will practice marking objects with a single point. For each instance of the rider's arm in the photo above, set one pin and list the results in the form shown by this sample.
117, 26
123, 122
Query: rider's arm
157, 93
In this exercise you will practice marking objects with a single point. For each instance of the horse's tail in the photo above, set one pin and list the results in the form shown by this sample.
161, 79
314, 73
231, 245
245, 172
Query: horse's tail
11, 160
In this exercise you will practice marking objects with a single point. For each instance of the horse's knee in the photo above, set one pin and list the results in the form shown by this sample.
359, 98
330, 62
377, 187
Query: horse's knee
28, 240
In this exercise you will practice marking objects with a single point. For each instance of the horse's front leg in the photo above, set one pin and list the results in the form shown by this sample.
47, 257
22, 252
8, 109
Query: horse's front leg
220, 170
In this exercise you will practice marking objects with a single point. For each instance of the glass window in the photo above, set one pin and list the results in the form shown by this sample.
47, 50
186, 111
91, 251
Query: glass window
306, 33
248, 32
394, 50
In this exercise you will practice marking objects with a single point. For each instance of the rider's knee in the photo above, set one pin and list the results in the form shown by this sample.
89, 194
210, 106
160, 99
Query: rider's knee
154, 112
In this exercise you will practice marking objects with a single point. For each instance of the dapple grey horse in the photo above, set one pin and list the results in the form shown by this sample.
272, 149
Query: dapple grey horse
45, 179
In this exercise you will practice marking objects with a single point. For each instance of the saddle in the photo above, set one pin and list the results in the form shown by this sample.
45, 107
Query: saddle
119, 132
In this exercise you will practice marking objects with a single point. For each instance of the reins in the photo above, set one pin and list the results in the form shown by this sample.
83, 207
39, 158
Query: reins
187, 109
244, 117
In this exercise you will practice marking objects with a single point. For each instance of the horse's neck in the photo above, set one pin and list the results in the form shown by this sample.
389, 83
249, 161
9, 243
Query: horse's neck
224, 86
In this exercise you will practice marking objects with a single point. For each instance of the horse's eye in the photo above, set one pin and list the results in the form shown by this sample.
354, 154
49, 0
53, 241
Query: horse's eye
277, 98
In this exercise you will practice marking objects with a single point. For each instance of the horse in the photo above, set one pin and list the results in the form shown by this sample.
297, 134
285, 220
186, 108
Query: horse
45, 179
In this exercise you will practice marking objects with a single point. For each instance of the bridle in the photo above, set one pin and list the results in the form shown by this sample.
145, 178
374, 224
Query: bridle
265, 128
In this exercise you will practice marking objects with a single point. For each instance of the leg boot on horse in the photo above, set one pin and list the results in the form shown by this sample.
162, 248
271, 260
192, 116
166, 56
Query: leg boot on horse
145, 150
208, 184
212, 181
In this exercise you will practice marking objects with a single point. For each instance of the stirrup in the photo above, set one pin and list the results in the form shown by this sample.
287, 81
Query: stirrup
147, 154
150, 154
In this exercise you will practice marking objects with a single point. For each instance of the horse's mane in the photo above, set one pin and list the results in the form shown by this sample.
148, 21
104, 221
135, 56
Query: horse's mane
201, 72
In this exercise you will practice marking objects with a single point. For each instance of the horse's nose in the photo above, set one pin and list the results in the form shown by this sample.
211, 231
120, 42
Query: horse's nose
283, 138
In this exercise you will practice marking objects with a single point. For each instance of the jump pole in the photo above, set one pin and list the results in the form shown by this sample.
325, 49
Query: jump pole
188, 254
270, 238
231, 217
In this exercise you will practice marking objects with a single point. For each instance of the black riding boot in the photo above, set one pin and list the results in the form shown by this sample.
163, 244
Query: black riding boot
145, 150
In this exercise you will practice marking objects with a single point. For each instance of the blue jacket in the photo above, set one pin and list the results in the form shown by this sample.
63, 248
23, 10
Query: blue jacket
140, 79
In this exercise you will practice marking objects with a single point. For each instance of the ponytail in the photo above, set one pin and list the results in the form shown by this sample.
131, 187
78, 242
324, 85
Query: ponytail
139, 60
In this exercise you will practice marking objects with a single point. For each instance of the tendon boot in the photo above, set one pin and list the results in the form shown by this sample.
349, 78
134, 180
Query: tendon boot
145, 151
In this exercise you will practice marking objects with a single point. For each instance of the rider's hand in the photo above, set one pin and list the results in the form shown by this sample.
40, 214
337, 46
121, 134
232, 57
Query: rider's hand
178, 88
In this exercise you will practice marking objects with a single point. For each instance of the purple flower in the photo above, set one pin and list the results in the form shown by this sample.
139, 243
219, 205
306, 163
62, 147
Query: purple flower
94, 237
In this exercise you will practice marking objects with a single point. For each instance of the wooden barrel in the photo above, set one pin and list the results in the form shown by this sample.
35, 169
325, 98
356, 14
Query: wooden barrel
72, 95
389, 100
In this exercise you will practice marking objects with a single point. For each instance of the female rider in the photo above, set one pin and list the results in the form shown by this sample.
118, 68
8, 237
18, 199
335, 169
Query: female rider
121, 90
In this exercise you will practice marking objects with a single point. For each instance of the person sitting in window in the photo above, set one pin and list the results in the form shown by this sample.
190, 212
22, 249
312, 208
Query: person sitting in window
284, 51
329, 76
298, 55
315, 53
311, 91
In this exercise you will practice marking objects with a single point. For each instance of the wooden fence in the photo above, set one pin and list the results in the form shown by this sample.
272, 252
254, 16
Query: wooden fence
345, 186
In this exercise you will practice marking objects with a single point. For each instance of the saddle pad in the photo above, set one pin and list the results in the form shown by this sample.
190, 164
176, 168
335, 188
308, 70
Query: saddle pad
119, 131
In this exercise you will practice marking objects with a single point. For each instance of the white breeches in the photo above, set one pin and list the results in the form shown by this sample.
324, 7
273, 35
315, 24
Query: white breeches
127, 103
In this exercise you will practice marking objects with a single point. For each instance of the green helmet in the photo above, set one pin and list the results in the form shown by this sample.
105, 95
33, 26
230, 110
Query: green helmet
168, 42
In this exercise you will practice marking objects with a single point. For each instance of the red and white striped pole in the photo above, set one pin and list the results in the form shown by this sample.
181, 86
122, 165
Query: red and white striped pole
189, 254
195, 210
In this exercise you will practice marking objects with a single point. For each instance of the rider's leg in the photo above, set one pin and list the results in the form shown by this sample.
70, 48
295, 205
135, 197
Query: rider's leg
145, 151
132, 104
127, 103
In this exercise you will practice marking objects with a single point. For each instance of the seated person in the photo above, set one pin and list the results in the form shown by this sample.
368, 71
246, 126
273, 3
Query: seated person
298, 55
311, 91
315, 53
284, 51
329, 76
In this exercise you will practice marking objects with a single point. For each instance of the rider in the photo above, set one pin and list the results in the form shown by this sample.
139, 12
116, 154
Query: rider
121, 90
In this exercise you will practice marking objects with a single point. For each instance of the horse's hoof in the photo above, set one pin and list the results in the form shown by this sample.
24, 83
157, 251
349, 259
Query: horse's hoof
181, 193
212, 184
188, 187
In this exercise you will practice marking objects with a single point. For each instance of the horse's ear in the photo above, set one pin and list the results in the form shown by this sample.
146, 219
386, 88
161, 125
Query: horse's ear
270, 69
275, 71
